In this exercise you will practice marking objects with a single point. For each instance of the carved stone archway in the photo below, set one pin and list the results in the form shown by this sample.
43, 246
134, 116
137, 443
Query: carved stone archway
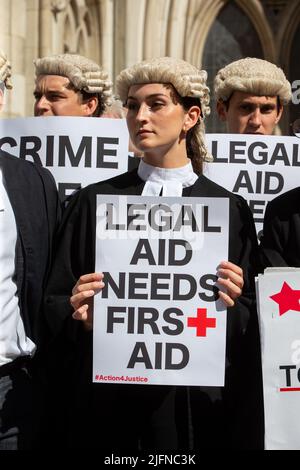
289, 23
202, 20
117, 33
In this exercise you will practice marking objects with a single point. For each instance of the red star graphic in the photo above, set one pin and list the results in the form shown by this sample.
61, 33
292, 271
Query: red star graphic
287, 298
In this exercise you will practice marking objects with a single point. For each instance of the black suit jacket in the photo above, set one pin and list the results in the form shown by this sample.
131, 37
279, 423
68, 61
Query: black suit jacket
280, 243
33, 196
158, 416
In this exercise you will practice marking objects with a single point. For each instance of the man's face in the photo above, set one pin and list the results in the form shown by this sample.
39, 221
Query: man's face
250, 114
54, 97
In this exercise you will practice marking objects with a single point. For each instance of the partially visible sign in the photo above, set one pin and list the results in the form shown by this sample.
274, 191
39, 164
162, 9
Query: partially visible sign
257, 167
77, 150
278, 291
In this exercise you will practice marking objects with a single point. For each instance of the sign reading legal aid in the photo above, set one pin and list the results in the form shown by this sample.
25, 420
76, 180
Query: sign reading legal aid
158, 320
258, 167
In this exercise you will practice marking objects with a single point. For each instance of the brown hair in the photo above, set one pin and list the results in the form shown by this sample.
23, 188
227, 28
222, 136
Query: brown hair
84, 96
193, 146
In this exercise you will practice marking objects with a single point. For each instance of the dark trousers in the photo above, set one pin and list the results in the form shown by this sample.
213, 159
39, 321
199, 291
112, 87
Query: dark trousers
20, 406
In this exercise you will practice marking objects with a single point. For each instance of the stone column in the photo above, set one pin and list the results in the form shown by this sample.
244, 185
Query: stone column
31, 52
12, 41
46, 27
106, 22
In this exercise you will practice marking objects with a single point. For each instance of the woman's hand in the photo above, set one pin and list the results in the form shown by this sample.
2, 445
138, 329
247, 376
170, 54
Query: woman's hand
82, 297
230, 277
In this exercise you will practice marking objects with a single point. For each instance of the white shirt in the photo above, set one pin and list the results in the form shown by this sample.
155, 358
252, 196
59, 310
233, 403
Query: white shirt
13, 340
170, 181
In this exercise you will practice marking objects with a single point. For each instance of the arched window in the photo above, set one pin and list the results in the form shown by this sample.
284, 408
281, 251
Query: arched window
232, 37
76, 26
294, 76
80, 44
68, 32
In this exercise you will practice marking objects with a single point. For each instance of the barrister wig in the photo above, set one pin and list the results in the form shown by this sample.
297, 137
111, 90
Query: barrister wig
5, 70
254, 76
84, 74
186, 79
115, 109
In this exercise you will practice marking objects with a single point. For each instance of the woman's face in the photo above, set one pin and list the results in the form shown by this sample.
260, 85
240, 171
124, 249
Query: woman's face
155, 120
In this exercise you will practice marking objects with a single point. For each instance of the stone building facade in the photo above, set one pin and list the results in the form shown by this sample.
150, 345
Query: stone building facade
117, 33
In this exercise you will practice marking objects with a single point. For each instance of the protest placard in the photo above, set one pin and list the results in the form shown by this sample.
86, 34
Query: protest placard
278, 293
258, 167
78, 151
158, 320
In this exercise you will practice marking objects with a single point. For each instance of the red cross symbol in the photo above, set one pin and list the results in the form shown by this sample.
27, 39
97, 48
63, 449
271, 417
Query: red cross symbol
201, 322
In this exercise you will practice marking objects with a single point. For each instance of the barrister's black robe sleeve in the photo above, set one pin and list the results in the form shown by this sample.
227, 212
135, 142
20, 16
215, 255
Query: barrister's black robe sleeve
75, 253
157, 416
280, 243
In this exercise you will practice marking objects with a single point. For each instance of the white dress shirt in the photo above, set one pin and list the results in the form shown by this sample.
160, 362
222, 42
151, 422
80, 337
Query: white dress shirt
13, 340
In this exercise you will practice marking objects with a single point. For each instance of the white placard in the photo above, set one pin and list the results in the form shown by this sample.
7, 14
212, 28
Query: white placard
77, 150
258, 167
279, 316
157, 320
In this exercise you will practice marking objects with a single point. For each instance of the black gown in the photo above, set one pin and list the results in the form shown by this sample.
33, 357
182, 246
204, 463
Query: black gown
110, 416
280, 243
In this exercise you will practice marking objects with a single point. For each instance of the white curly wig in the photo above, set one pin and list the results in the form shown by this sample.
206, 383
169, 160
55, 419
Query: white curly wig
84, 74
254, 76
5, 70
187, 80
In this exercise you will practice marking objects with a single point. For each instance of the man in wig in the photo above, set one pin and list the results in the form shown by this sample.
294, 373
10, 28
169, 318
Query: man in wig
250, 95
70, 85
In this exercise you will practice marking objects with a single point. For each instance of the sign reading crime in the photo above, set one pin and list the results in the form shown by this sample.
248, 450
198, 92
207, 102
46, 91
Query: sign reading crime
158, 320
77, 150
257, 167
278, 292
